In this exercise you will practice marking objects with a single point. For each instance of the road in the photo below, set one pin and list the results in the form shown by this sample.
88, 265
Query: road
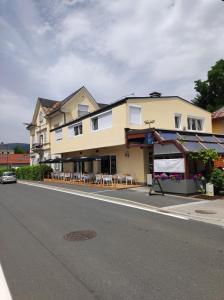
135, 255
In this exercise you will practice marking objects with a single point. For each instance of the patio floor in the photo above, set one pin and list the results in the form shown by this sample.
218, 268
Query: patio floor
114, 186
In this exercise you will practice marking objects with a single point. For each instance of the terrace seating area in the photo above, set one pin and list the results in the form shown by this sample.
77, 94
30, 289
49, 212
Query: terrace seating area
116, 181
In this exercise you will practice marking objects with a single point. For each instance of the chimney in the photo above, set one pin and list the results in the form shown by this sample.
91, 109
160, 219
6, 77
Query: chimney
155, 95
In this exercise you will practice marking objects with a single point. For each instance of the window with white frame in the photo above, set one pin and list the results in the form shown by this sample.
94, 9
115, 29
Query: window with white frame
135, 112
102, 121
177, 119
195, 124
83, 110
75, 130
58, 134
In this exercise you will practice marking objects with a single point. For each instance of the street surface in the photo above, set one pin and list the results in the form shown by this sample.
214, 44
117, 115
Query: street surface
136, 254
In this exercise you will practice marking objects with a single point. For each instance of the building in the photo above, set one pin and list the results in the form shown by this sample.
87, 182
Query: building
14, 160
85, 136
50, 114
6, 149
218, 121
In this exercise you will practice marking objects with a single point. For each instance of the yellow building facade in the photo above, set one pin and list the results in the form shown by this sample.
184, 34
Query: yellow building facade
79, 128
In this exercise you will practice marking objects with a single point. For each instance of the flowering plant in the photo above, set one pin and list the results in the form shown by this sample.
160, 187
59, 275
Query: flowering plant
162, 176
198, 176
176, 176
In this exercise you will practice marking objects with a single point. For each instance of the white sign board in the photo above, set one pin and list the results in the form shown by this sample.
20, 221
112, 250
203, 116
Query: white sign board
209, 189
171, 165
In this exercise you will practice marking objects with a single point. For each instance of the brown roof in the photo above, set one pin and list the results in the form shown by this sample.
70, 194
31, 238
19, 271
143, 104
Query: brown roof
218, 114
13, 159
59, 104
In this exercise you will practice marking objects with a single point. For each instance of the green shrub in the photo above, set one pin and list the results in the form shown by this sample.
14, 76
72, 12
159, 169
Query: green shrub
33, 172
217, 178
5, 169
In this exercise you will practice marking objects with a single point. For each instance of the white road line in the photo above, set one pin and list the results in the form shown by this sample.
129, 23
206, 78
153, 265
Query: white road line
4, 290
102, 191
104, 198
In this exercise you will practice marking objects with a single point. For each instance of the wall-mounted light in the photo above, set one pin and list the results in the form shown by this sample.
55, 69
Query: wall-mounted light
126, 154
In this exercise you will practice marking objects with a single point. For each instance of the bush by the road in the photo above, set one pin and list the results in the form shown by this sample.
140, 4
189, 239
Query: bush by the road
33, 172
217, 178
5, 169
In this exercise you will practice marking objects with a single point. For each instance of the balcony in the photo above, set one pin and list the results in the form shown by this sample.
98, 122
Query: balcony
37, 147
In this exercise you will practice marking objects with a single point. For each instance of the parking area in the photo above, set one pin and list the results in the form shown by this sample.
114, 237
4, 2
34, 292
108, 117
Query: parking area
137, 194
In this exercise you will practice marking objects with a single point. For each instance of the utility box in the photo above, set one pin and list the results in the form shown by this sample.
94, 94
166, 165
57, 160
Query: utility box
149, 179
209, 189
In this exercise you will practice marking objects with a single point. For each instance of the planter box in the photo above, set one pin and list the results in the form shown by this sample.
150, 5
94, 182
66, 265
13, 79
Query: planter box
184, 186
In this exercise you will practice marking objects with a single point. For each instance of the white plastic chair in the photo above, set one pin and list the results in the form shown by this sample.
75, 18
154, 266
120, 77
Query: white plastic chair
107, 179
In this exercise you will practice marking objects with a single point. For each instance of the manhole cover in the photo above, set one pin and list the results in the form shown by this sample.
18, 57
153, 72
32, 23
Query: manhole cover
202, 211
81, 235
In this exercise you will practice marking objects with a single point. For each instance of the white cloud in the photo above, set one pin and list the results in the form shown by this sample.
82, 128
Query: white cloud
51, 47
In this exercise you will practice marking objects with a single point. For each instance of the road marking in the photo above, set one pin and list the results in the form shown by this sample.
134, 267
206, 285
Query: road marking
104, 198
4, 289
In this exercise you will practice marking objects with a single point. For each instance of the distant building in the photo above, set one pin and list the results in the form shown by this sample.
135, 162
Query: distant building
14, 160
9, 148
218, 121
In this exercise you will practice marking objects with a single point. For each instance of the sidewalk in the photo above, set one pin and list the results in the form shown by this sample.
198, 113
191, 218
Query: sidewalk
205, 211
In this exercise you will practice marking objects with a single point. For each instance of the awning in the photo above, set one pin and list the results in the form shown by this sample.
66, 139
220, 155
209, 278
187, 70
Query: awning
76, 159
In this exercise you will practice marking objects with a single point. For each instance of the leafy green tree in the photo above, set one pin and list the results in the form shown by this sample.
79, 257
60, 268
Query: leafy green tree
19, 150
207, 157
210, 93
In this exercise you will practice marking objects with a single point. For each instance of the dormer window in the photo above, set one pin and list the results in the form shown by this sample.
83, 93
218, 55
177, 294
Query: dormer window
82, 110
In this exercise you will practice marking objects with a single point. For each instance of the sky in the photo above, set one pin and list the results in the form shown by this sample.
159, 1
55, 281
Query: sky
50, 48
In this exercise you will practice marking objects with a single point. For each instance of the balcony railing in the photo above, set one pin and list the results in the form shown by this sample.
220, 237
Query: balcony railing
37, 147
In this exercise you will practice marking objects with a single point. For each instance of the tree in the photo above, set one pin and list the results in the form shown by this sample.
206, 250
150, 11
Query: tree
210, 93
207, 157
19, 150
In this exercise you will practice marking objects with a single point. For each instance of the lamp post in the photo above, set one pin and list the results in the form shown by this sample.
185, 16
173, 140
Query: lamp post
7, 156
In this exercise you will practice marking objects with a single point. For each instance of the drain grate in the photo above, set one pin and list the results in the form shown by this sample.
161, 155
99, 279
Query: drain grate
203, 211
81, 235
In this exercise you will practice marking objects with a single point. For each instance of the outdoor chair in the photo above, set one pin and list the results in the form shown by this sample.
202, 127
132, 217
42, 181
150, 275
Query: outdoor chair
98, 178
121, 178
130, 179
107, 179
87, 177
61, 175
67, 176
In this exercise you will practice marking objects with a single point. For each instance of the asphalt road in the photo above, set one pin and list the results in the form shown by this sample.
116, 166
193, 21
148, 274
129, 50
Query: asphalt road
135, 255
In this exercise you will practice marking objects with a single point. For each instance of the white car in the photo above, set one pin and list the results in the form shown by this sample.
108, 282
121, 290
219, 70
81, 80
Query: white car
8, 177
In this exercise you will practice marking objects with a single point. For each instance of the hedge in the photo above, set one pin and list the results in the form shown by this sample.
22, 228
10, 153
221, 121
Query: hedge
5, 169
33, 172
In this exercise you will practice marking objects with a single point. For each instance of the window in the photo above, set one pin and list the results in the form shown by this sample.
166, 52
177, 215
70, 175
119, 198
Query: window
102, 121
177, 121
41, 117
83, 110
41, 139
135, 115
194, 124
58, 134
75, 130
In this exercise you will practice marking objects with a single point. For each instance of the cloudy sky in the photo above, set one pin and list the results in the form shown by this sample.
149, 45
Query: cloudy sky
49, 48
